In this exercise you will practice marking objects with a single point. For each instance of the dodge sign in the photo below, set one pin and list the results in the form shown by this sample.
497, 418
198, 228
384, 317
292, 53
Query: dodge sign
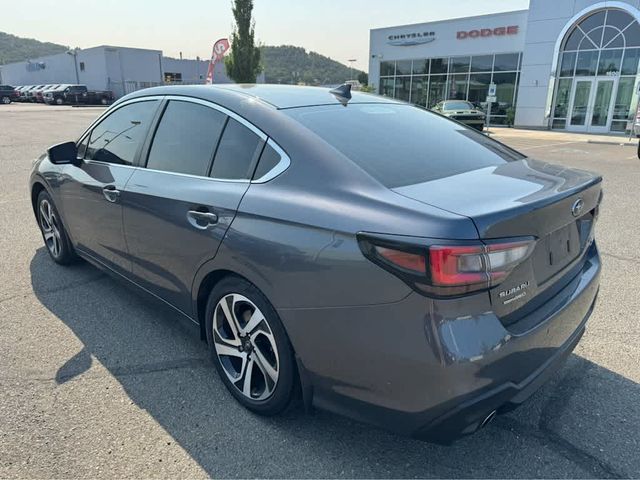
488, 32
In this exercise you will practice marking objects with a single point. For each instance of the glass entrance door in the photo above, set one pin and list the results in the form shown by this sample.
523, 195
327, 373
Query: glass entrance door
578, 119
592, 105
602, 105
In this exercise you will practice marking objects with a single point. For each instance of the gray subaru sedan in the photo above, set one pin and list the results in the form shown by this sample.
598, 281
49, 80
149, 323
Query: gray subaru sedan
353, 252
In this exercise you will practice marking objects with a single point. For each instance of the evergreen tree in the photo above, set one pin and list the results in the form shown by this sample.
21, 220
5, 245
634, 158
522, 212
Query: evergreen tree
243, 63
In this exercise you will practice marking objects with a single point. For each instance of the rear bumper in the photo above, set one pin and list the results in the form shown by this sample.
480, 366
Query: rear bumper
421, 368
470, 416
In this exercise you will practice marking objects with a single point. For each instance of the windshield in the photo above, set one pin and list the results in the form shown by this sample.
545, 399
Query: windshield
401, 144
459, 105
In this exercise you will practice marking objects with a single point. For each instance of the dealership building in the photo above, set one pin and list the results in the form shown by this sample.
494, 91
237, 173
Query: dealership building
119, 69
562, 64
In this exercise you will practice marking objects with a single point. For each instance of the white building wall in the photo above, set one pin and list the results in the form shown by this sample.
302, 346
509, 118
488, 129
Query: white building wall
120, 69
546, 22
446, 42
192, 71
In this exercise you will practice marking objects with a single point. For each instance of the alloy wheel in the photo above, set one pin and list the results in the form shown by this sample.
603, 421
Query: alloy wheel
50, 228
245, 346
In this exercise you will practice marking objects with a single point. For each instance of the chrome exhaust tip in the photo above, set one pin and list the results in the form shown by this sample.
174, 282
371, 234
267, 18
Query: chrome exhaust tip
488, 419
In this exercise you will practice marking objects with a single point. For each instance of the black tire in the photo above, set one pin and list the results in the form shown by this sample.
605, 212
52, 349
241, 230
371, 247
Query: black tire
63, 252
284, 391
480, 127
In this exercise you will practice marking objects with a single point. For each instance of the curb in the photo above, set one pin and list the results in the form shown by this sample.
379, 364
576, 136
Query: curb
604, 142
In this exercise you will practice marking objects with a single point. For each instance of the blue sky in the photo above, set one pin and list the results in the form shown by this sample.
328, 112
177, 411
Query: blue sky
338, 29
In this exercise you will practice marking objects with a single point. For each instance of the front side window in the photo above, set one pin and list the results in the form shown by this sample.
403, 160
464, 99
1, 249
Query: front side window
117, 138
186, 138
237, 153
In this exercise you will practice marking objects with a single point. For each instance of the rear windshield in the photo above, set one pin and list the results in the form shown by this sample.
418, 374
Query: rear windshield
402, 145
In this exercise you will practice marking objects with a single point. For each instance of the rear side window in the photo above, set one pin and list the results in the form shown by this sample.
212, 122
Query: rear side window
268, 160
186, 138
117, 138
237, 153
402, 145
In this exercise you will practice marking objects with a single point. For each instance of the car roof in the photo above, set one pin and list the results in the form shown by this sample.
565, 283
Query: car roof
278, 96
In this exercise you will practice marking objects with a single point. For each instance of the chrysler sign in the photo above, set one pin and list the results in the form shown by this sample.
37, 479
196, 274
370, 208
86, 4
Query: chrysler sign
488, 32
413, 38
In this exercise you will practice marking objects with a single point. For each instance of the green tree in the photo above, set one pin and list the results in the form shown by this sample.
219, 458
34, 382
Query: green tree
363, 78
243, 63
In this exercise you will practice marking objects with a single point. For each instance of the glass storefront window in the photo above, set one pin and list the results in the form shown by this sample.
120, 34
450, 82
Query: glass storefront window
386, 86
586, 63
630, 62
482, 63
574, 39
592, 40
498, 119
433, 80
592, 21
403, 67
419, 84
609, 63
506, 62
618, 19
437, 89
421, 66
624, 98
479, 87
568, 64
559, 123
458, 87
439, 65
632, 35
562, 97
505, 89
459, 64
402, 88
387, 69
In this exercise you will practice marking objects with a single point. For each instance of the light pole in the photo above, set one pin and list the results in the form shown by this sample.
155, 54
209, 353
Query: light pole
351, 61
74, 54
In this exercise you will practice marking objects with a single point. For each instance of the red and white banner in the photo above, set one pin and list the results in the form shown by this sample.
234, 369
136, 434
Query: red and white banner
219, 50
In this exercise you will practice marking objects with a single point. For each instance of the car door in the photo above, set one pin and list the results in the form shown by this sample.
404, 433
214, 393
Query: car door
90, 191
175, 212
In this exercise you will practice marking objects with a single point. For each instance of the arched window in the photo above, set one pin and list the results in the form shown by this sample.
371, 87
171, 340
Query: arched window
605, 43
606, 29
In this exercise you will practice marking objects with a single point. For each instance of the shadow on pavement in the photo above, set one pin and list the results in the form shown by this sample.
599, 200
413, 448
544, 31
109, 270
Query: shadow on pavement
584, 423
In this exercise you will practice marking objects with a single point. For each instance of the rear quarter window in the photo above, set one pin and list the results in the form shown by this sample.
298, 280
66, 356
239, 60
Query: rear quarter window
402, 145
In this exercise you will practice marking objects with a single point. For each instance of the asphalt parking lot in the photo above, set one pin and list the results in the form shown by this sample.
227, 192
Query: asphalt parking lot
96, 381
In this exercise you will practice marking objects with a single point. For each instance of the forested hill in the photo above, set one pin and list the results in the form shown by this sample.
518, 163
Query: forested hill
17, 49
292, 65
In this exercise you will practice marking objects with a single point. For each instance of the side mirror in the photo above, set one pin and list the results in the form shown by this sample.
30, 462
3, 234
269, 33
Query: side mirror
63, 153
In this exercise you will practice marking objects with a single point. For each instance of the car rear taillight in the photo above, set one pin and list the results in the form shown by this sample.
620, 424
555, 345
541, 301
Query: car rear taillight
443, 269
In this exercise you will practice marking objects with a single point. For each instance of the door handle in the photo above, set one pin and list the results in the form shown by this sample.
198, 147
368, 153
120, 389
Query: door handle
111, 193
201, 220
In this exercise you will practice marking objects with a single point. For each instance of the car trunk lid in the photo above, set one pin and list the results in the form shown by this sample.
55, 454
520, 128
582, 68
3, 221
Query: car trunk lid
554, 205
